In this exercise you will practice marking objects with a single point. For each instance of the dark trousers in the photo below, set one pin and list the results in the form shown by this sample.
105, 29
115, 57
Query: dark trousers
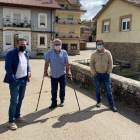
54, 87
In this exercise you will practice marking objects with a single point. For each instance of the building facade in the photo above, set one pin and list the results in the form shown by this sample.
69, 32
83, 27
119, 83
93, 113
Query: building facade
118, 24
68, 23
32, 21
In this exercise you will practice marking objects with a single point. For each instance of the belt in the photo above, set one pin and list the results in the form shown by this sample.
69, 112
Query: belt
22, 78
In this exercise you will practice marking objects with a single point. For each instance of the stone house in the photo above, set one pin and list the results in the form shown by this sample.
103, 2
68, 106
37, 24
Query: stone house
118, 24
29, 19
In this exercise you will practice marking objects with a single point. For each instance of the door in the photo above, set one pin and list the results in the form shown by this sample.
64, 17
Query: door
65, 47
15, 40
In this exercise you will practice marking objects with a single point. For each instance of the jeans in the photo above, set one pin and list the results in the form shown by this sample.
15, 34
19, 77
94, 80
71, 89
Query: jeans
105, 78
54, 88
17, 91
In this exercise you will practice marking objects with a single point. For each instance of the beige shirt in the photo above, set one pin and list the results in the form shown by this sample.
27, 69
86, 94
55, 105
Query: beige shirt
101, 63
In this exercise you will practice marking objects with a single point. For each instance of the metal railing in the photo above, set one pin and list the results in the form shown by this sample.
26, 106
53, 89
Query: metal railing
16, 23
69, 21
69, 35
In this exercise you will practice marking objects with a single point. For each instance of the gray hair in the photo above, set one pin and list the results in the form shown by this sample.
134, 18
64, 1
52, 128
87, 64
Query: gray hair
57, 40
20, 39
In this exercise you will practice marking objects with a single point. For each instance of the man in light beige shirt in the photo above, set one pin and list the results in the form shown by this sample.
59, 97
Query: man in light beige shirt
101, 65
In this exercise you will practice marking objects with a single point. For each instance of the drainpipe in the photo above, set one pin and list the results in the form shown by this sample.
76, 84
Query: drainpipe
51, 31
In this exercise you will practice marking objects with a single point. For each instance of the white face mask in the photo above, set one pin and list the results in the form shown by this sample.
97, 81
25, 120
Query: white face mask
58, 48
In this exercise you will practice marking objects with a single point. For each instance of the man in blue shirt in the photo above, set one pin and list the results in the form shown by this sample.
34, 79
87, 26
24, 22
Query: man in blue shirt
18, 73
59, 61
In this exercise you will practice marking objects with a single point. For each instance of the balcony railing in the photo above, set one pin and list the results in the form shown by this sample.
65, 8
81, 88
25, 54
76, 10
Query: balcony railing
69, 35
69, 21
16, 23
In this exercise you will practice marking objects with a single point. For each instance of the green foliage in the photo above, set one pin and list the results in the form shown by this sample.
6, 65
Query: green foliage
95, 29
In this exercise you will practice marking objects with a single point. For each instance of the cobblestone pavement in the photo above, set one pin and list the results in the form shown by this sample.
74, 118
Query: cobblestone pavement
66, 123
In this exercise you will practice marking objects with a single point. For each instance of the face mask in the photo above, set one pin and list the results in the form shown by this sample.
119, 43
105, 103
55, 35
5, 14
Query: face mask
100, 47
22, 48
58, 48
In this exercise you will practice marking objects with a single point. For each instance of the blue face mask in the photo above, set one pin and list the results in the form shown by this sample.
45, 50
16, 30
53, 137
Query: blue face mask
100, 47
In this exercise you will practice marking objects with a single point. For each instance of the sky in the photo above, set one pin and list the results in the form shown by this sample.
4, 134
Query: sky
92, 7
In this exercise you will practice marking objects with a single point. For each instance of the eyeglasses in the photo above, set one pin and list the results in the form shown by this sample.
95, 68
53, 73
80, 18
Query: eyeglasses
58, 44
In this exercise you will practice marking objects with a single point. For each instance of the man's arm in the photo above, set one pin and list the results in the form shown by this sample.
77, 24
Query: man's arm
8, 67
92, 65
68, 69
110, 64
46, 69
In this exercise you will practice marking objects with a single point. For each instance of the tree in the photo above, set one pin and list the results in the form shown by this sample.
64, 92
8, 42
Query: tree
95, 28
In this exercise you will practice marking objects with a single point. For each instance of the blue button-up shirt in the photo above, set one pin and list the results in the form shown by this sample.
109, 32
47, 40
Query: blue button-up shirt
57, 62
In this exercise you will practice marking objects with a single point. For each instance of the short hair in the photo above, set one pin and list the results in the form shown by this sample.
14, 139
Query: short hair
20, 39
100, 41
57, 40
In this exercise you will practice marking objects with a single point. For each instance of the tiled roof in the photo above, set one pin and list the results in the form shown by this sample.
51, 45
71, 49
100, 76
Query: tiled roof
38, 3
73, 2
132, 2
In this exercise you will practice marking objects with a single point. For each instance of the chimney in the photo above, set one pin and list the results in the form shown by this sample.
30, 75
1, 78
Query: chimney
51, 1
77, 2
103, 5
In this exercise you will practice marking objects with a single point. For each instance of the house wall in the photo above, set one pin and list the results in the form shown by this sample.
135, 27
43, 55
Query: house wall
1, 40
34, 20
114, 11
1, 17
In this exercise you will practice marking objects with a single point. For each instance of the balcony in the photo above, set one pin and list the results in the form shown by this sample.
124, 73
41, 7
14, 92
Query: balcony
66, 21
17, 23
70, 36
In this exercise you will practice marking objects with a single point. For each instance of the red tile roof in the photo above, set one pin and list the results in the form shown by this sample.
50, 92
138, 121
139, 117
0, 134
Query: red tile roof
38, 3
73, 2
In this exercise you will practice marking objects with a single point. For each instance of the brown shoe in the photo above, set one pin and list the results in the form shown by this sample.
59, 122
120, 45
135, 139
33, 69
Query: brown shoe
12, 126
20, 120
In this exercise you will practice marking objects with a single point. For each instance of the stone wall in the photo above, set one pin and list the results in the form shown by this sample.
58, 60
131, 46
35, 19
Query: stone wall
1, 40
34, 41
124, 89
124, 51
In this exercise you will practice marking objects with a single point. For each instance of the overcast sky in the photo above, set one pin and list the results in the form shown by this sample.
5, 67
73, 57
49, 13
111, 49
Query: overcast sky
92, 7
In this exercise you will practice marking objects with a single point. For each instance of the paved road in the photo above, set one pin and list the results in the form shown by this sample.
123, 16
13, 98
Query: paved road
66, 123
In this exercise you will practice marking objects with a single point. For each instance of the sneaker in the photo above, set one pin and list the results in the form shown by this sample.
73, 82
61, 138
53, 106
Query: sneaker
53, 105
12, 126
113, 108
62, 104
20, 120
98, 104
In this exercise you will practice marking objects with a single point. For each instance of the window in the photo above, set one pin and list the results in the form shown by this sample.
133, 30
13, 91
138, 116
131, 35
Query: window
8, 39
42, 41
26, 36
106, 27
126, 24
42, 20
71, 31
73, 46
70, 17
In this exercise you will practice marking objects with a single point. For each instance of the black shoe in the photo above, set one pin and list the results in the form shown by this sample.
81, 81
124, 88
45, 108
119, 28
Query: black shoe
53, 105
113, 108
62, 104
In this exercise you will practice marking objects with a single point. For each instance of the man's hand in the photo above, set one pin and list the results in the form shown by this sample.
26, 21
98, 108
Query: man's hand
45, 74
69, 74
96, 74
29, 74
